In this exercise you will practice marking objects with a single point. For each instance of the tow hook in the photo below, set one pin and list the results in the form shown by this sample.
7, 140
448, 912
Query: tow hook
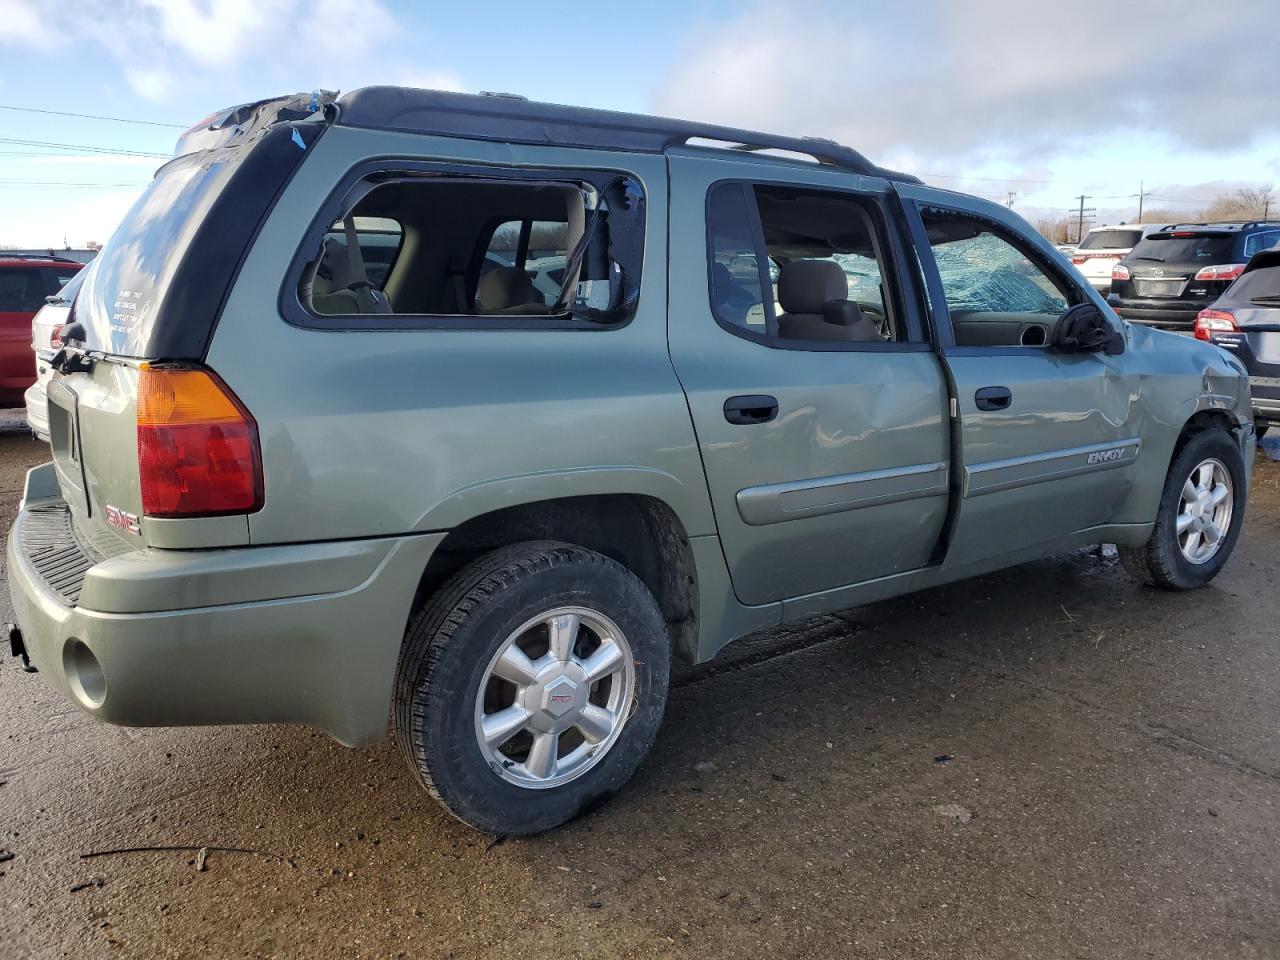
18, 648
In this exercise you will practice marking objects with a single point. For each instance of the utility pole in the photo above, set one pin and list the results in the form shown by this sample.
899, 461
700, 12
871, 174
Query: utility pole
1080, 213
1142, 194
1009, 203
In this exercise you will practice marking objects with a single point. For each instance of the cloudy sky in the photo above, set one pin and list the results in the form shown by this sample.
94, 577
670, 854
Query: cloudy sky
1048, 100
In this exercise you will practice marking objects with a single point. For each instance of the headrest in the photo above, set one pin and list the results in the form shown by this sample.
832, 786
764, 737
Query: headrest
504, 287
805, 285
721, 278
333, 269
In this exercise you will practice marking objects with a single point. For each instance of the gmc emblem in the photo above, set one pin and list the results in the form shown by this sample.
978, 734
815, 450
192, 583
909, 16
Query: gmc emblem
128, 522
1106, 456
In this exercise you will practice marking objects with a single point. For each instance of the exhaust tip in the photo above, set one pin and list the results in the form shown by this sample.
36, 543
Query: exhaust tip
84, 674
19, 648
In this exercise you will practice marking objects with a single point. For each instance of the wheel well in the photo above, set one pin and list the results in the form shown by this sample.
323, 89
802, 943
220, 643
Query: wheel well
1201, 421
642, 533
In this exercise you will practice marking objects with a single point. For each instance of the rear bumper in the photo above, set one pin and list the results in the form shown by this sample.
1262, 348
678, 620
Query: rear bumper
37, 411
1167, 316
1264, 392
303, 633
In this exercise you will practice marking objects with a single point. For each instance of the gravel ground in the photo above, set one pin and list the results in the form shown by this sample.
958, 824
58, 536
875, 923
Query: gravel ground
1048, 762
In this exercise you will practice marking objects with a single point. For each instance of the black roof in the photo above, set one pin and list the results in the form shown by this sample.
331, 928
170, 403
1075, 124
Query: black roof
511, 119
1223, 225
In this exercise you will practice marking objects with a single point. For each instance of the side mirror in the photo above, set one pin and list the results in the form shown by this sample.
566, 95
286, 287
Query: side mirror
1083, 329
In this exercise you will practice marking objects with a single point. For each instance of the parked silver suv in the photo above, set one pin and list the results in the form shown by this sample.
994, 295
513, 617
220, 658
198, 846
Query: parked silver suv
478, 412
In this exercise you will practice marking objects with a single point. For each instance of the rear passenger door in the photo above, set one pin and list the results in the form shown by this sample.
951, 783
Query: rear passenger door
819, 408
1047, 440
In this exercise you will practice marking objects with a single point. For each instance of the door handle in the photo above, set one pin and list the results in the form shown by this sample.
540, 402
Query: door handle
993, 398
751, 408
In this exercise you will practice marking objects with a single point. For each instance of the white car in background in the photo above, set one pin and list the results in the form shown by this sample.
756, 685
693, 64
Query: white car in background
1103, 247
46, 325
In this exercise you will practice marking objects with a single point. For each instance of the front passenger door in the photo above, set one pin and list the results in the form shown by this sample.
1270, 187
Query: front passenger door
1047, 440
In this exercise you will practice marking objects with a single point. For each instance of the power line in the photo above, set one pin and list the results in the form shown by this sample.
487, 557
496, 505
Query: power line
114, 151
93, 116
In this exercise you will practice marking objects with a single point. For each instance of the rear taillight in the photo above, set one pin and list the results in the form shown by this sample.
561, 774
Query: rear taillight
1209, 322
198, 452
1078, 260
1119, 272
55, 336
1221, 271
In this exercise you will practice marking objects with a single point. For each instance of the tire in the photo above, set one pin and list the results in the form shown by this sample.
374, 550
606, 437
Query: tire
450, 683
1162, 562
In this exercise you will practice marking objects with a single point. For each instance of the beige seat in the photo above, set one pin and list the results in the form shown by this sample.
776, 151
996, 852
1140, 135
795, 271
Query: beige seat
333, 289
814, 295
508, 290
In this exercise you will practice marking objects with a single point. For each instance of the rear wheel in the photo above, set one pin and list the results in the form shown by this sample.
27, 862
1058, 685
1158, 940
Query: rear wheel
1198, 523
531, 686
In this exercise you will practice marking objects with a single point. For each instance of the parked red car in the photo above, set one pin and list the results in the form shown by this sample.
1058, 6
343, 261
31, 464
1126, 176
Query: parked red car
24, 283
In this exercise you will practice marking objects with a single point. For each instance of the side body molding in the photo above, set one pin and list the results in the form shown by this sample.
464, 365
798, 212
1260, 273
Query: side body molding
776, 502
995, 475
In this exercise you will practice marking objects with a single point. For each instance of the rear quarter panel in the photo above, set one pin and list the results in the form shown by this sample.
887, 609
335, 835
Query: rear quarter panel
369, 433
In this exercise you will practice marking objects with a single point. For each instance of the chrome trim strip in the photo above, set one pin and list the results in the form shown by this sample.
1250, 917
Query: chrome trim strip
995, 475
776, 502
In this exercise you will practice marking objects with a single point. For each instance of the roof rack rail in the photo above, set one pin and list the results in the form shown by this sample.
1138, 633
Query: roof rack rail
511, 120
28, 255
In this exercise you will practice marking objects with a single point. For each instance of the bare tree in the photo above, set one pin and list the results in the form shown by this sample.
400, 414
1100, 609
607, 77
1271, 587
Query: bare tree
1160, 215
1055, 230
1247, 203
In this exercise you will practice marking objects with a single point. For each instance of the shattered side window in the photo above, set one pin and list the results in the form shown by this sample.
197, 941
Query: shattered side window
995, 293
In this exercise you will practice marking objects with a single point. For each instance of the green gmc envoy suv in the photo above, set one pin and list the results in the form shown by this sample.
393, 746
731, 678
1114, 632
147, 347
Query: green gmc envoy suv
477, 413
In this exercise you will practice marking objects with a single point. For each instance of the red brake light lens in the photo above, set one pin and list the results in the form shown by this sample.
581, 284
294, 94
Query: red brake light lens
1221, 271
1119, 272
1078, 260
198, 453
1209, 322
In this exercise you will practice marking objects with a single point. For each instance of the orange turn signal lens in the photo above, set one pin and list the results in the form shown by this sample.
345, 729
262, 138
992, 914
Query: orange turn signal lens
198, 453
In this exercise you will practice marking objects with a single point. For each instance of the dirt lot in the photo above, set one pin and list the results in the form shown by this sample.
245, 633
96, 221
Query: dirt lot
1051, 762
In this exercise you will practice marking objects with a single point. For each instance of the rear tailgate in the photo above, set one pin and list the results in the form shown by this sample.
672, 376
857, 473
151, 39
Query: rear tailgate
1257, 344
93, 436
151, 302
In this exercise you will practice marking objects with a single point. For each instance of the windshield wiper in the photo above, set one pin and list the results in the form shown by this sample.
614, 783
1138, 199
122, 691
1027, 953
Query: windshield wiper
1267, 298
1154, 259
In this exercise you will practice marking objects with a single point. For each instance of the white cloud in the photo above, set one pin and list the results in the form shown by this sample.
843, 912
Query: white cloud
22, 22
160, 44
987, 80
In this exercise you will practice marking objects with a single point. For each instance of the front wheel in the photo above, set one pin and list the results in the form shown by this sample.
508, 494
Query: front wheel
531, 686
1198, 523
